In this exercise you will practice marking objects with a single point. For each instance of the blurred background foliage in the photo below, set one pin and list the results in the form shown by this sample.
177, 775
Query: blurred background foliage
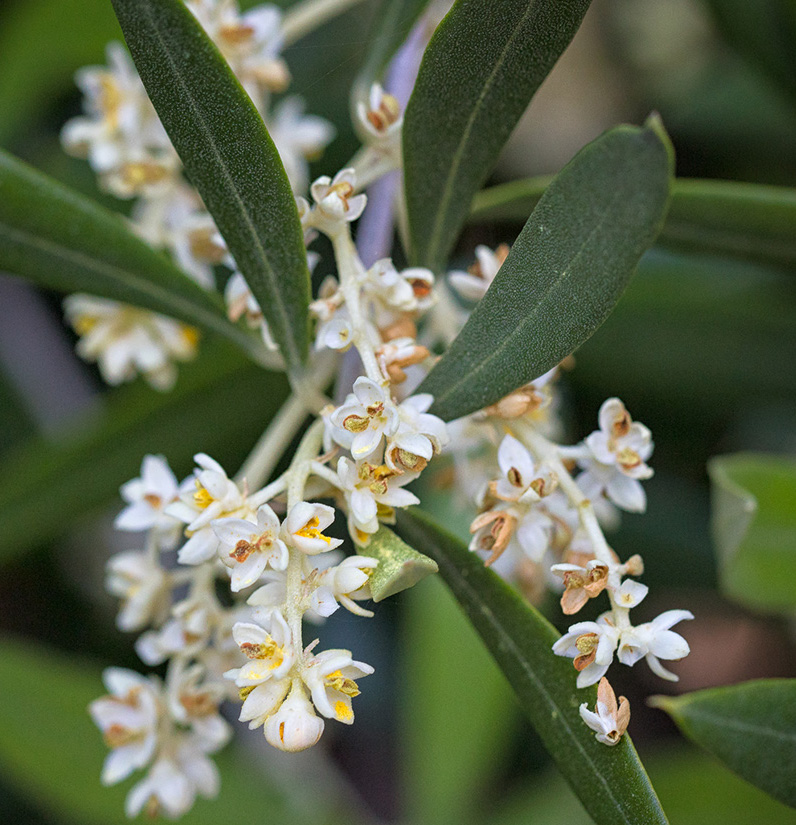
700, 349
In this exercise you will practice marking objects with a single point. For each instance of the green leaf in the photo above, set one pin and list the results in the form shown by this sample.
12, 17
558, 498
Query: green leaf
753, 523
229, 157
565, 272
394, 20
482, 67
751, 727
51, 751
740, 318
61, 240
400, 567
452, 758
764, 33
740, 220
46, 486
610, 782
694, 788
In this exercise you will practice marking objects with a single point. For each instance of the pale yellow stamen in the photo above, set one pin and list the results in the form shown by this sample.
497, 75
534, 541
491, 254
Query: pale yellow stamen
310, 531
342, 684
202, 498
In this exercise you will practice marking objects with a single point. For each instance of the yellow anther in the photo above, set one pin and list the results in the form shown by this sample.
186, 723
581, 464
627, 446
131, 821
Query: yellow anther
83, 324
342, 684
310, 531
355, 423
628, 458
190, 335
202, 498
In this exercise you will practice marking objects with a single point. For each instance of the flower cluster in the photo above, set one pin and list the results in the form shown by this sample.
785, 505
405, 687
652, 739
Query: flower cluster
278, 570
273, 541
541, 520
127, 147
269, 543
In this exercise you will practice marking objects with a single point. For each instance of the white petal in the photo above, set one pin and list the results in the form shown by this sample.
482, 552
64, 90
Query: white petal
627, 493
631, 593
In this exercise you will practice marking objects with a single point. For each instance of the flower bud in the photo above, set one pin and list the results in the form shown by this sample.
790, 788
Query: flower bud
294, 727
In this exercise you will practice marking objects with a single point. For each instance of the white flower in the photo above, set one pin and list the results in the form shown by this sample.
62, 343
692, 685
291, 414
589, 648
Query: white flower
298, 138
474, 283
147, 498
194, 701
419, 436
272, 596
121, 135
371, 492
394, 293
592, 646
349, 582
335, 197
186, 633
619, 451
654, 641
125, 340
207, 495
262, 700
142, 585
582, 583
251, 43
253, 546
128, 719
270, 652
630, 593
331, 676
336, 333
534, 532
521, 481
397, 354
304, 528
610, 720
365, 418
295, 726
173, 784
379, 120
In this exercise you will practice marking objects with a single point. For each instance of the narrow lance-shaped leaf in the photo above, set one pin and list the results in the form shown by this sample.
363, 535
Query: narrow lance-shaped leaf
565, 272
229, 157
482, 67
720, 217
751, 727
610, 781
753, 522
64, 241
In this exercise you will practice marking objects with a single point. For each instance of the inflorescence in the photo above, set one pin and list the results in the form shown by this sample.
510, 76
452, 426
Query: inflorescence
540, 518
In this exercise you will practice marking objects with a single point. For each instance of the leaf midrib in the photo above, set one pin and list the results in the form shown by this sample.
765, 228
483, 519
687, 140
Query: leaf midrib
518, 330
185, 307
718, 720
275, 297
458, 155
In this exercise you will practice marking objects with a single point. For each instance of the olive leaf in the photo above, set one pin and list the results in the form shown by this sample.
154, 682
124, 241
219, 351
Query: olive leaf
229, 157
565, 272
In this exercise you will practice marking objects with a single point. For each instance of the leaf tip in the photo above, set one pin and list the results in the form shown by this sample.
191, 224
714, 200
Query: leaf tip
664, 703
654, 124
